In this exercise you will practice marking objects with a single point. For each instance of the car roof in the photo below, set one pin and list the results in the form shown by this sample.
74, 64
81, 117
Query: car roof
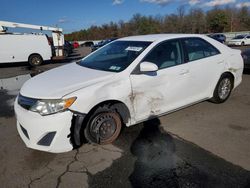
158, 37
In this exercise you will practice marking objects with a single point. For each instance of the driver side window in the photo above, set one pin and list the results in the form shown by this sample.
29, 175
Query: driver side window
166, 54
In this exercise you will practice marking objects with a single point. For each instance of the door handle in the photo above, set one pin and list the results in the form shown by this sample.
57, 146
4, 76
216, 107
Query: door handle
184, 71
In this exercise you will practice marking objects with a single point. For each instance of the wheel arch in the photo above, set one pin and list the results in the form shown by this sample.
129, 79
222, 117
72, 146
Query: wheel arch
117, 105
79, 121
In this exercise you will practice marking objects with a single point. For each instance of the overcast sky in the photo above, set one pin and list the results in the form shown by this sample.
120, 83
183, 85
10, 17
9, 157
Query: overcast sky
78, 14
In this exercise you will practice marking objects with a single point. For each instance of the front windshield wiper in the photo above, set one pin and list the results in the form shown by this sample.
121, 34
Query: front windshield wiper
94, 68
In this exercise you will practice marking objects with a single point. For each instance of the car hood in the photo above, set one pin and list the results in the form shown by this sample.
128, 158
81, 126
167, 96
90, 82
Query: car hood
58, 82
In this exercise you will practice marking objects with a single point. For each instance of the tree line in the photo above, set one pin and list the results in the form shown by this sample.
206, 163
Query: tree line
193, 21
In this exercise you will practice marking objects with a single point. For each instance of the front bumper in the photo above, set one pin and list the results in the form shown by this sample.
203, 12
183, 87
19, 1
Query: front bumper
47, 133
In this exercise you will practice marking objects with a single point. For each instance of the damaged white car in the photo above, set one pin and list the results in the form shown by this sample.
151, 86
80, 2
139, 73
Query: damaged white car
128, 81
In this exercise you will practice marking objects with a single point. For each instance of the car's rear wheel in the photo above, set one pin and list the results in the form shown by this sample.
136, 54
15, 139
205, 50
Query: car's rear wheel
243, 44
223, 89
103, 127
35, 60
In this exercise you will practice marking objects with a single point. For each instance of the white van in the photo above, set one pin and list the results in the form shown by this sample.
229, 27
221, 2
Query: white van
34, 48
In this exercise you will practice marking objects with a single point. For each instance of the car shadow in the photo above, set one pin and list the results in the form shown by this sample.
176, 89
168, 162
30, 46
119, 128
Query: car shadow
154, 158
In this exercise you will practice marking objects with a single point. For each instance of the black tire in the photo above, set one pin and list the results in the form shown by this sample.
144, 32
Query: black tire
243, 44
35, 60
223, 89
103, 126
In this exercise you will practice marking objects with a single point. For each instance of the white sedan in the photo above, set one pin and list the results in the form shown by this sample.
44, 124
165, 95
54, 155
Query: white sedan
240, 40
128, 81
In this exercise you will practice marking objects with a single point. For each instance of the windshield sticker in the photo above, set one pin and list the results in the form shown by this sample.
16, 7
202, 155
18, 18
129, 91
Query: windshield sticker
115, 68
134, 48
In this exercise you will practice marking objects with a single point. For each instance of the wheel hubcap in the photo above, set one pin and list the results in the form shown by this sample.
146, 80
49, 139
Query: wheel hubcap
224, 88
104, 125
36, 60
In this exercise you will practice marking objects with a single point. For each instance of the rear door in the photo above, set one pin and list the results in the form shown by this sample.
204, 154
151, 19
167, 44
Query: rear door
205, 64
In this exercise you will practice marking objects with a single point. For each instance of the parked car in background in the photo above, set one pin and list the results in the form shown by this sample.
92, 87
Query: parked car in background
240, 40
246, 57
219, 37
128, 81
68, 48
102, 43
87, 44
75, 44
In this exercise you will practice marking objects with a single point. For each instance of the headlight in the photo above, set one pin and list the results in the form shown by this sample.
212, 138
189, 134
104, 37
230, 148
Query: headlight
47, 106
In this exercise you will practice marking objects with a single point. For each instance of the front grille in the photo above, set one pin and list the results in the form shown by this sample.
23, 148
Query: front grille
26, 102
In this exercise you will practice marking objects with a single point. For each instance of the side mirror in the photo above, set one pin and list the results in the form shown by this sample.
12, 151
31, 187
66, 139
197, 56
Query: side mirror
148, 67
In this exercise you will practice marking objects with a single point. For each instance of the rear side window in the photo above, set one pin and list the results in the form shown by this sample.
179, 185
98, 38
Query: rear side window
197, 48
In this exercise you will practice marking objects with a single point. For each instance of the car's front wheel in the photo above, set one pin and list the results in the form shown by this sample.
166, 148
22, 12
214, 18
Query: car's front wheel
103, 127
223, 89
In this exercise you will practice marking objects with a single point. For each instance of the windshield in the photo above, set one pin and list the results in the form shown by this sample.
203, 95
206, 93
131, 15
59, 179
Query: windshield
239, 37
116, 56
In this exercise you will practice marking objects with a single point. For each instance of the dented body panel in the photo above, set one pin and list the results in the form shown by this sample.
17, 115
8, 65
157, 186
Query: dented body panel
163, 92
115, 89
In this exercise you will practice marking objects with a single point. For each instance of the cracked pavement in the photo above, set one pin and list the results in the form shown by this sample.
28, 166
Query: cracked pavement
30, 168
205, 145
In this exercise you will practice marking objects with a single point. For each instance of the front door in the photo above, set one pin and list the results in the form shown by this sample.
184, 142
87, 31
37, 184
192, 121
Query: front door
157, 92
